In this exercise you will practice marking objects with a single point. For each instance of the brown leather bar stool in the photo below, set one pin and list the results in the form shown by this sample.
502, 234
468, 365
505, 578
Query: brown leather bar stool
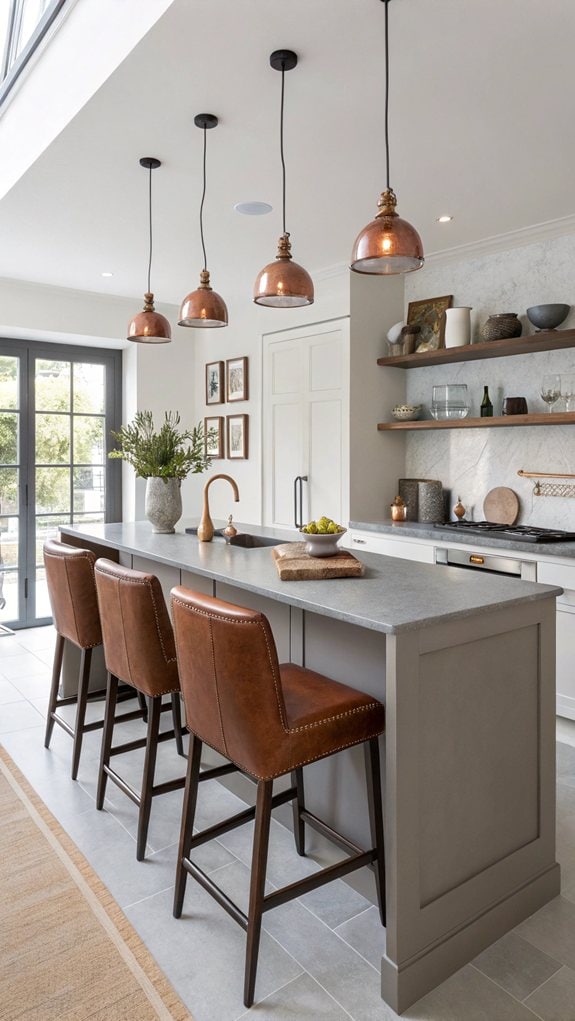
139, 650
72, 591
269, 720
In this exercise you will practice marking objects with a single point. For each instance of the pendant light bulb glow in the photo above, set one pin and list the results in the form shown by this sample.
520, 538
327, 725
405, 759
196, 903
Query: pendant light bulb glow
388, 244
149, 326
283, 283
204, 308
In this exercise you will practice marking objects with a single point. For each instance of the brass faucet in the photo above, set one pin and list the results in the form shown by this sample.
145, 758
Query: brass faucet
206, 526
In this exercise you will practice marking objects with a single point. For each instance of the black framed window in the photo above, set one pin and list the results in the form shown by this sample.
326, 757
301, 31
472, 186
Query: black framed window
23, 25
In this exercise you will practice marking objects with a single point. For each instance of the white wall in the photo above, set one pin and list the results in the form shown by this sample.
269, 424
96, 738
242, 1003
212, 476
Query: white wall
470, 462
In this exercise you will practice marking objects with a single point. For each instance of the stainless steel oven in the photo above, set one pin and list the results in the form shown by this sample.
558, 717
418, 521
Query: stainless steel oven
477, 560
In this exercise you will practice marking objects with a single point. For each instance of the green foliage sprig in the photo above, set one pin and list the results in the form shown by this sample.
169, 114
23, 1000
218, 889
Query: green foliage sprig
162, 454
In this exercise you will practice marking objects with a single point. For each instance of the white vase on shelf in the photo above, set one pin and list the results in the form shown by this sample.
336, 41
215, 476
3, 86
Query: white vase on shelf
458, 326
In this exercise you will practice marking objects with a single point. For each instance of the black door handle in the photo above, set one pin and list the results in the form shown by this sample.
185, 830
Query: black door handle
298, 500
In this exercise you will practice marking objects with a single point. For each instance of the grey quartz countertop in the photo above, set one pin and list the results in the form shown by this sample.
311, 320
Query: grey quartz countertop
393, 595
446, 536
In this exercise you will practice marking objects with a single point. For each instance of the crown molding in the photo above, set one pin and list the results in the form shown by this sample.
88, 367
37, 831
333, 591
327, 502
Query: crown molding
545, 231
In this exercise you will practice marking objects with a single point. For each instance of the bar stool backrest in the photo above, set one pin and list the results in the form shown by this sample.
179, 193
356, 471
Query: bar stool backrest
136, 629
230, 680
72, 591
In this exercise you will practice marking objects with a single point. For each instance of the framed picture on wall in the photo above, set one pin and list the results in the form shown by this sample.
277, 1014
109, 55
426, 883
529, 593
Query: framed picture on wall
215, 383
237, 379
214, 436
429, 315
237, 436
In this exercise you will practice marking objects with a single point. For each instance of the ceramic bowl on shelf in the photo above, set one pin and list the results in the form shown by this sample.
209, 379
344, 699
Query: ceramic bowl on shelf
406, 412
322, 544
547, 317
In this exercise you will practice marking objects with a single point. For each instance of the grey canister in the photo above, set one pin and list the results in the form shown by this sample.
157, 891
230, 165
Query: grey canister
430, 506
408, 492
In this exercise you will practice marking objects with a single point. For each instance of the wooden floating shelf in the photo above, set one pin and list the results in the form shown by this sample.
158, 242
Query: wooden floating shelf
546, 340
557, 418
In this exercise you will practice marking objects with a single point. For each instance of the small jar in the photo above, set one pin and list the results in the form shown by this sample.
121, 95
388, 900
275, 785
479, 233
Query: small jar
398, 510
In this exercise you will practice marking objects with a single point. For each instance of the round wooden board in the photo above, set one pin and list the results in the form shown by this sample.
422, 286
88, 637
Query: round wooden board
501, 506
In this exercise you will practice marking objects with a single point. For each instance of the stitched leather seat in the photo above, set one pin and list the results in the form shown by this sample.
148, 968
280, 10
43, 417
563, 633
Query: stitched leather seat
72, 592
267, 719
139, 649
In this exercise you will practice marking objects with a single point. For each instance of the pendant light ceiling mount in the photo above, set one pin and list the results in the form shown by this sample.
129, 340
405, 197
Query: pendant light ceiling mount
283, 283
388, 244
149, 326
203, 308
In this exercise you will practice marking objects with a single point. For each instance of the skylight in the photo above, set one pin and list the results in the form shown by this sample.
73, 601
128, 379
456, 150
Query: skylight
23, 25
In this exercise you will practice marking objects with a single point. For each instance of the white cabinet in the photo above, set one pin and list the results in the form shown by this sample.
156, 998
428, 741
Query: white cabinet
564, 575
306, 422
372, 542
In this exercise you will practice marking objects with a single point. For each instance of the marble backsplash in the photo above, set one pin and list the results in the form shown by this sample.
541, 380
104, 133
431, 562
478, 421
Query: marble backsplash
470, 462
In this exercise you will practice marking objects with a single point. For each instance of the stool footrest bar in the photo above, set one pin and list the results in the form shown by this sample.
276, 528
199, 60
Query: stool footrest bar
297, 889
123, 785
238, 820
323, 828
219, 895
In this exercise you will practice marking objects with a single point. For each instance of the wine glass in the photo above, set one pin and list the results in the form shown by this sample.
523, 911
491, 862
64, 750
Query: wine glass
568, 390
551, 390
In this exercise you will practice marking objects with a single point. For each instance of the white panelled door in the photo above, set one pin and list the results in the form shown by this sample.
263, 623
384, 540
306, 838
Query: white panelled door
306, 423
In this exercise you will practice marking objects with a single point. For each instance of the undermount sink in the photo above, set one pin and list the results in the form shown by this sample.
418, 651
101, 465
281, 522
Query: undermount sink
247, 541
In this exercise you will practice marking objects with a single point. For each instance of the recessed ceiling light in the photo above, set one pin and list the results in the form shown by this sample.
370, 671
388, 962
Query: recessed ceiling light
253, 208
107, 274
444, 219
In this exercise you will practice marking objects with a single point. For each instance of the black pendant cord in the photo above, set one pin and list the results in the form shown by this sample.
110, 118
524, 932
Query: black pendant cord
282, 151
386, 2
150, 224
202, 204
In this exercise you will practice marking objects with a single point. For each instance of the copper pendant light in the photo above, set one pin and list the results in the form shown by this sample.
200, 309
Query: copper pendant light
149, 326
388, 244
203, 307
283, 284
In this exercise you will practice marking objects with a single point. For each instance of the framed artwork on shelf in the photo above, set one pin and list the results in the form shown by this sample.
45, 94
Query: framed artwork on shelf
237, 426
215, 383
429, 315
237, 379
214, 436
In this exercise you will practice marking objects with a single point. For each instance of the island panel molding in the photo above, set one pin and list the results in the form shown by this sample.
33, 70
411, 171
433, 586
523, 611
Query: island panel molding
470, 823
215, 383
237, 379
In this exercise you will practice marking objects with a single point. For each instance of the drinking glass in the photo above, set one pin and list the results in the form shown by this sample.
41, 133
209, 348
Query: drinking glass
568, 390
551, 390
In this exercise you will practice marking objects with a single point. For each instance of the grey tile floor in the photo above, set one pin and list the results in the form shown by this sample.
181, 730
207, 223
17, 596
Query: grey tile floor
320, 955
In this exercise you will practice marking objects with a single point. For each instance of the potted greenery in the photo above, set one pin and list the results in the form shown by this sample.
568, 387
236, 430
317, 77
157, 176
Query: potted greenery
164, 458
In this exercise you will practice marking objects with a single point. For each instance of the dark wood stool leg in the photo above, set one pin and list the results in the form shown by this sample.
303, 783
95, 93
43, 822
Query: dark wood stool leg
257, 885
56, 671
298, 806
143, 705
85, 662
373, 777
111, 699
177, 720
154, 710
188, 815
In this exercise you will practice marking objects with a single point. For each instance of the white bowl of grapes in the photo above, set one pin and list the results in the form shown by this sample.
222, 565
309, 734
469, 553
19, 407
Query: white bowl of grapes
322, 537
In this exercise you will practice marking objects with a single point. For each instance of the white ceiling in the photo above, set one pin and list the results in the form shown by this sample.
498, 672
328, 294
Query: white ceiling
482, 114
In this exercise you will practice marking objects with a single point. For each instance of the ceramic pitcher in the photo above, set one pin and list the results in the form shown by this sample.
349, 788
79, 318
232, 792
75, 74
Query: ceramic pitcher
458, 326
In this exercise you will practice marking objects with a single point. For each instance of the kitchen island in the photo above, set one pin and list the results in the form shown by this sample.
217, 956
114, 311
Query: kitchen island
465, 665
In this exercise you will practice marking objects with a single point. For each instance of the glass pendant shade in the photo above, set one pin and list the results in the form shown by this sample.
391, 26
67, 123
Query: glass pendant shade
283, 283
203, 307
388, 244
149, 326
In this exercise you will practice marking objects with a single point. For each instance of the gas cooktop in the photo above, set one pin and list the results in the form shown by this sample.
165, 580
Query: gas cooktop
519, 533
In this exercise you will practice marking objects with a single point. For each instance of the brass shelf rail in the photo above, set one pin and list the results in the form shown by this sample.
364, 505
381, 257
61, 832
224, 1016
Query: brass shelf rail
550, 488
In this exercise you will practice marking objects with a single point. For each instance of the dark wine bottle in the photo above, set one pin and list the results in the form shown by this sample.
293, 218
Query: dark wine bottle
486, 409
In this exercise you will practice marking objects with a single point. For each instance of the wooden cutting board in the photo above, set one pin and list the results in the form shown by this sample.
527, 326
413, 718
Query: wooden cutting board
501, 506
294, 564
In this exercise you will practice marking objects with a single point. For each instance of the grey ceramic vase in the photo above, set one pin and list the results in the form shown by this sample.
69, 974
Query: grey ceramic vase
163, 503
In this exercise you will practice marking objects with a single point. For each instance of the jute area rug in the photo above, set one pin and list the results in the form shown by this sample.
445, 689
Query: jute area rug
67, 952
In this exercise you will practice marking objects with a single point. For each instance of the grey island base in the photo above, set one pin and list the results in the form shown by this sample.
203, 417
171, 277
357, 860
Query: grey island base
465, 665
